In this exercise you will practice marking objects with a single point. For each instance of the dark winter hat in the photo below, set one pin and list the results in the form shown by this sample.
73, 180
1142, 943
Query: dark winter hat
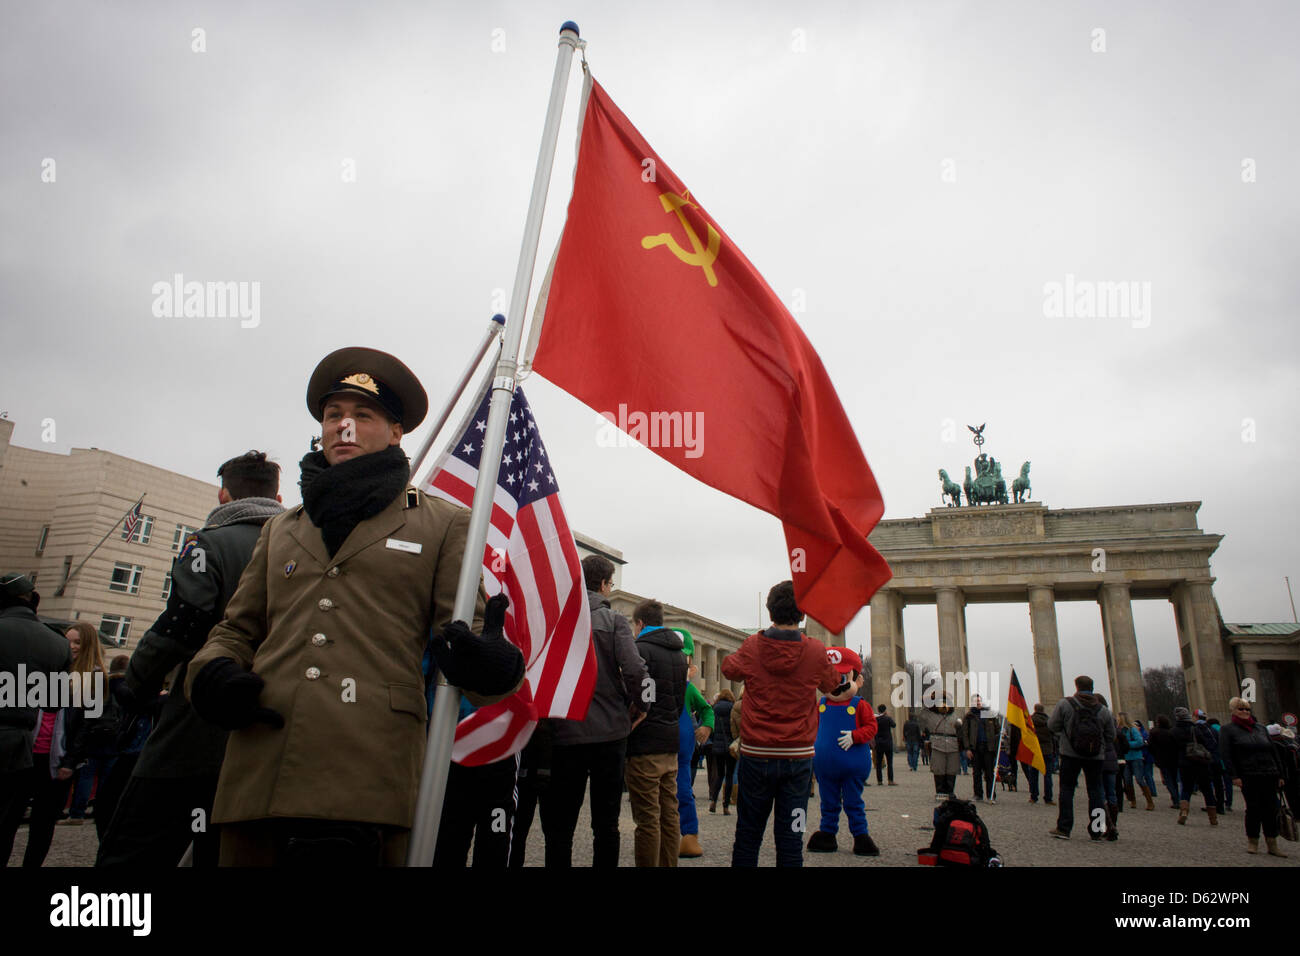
378, 376
1182, 713
14, 585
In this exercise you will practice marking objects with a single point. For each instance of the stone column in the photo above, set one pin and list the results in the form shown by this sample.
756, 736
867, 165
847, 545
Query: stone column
887, 653
1210, 680
1047, 647
952, 641
704, 660
1122, 663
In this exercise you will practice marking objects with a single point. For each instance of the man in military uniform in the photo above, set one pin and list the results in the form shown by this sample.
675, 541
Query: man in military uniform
168, 801
25, 642
317, 664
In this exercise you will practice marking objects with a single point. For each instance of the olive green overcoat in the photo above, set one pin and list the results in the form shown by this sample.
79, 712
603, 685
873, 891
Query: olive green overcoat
339, 643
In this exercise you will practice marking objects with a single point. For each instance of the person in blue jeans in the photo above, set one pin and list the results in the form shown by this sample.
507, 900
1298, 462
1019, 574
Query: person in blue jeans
694, 726
912, 738
783, 670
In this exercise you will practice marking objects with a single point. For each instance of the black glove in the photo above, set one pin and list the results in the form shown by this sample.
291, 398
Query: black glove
225, 694
488, 665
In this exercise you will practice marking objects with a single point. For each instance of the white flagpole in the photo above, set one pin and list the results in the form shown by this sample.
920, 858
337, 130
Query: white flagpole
446, 702
489, 336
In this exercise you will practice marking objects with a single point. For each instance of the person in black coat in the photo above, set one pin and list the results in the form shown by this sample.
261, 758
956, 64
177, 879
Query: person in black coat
1164, 748
1193, 769
718, 755
1252, 760
884, 746
24, 642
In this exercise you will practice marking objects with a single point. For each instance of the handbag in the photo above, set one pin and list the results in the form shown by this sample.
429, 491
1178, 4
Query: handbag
1286, 826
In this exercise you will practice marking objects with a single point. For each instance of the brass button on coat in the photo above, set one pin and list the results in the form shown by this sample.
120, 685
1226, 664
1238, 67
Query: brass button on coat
318, 640
325, 604
313, 673
332, 572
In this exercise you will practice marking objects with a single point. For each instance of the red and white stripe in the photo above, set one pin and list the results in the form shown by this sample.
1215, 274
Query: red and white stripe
531, 556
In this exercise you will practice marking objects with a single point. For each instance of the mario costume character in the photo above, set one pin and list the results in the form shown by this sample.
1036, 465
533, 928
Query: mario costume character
846, 727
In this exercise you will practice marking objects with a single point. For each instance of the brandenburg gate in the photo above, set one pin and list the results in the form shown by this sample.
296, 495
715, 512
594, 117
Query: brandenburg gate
956, 556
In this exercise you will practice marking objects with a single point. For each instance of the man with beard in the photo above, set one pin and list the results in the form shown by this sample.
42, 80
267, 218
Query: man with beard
317, 665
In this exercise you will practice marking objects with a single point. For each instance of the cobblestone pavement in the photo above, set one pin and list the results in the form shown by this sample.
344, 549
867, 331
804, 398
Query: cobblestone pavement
898, 817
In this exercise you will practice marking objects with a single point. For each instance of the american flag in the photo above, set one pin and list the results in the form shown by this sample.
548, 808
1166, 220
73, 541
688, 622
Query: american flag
530, 555
132, 520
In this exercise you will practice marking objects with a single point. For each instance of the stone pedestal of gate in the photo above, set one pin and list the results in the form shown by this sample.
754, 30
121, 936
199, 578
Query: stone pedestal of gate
1029, 553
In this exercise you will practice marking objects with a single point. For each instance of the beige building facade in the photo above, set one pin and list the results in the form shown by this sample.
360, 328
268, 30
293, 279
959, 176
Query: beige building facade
55, 508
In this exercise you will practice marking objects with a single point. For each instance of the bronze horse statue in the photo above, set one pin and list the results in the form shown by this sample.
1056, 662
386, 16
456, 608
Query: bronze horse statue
951, 490
1020, 487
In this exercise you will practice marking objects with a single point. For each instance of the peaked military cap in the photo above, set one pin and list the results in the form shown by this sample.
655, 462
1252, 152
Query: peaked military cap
377, 375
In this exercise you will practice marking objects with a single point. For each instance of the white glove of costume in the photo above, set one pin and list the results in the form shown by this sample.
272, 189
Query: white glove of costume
846, 740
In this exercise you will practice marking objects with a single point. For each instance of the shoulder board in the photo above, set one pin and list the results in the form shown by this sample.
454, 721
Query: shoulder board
412, 499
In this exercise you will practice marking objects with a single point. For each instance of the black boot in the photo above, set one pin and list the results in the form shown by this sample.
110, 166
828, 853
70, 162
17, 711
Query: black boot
822, 842
863, 845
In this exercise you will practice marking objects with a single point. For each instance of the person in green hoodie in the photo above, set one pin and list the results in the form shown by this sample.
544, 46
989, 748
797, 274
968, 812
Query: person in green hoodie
695, 726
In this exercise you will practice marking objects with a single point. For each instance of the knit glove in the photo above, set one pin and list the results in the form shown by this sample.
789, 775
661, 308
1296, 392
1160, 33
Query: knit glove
488, 664
225, 694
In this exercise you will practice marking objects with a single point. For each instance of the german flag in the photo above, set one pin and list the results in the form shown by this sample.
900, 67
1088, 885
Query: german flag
1029, 750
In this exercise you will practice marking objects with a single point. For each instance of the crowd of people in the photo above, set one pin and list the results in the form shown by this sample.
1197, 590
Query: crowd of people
224, 738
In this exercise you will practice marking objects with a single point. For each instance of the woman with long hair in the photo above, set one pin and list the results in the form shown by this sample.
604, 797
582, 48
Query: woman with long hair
100, 739
60, 744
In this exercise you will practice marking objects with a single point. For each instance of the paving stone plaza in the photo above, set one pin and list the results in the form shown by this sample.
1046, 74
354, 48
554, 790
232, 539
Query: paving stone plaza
898, 817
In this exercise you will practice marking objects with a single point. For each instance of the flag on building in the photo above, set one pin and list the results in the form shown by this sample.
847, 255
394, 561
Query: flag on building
132, 519
531, 556
652, 311
1029, 751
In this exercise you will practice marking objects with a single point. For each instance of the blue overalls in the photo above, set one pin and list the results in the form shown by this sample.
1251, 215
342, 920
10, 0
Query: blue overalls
841, 774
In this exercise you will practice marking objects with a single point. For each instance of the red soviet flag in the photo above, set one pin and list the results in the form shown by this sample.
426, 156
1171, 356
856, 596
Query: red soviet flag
656, 320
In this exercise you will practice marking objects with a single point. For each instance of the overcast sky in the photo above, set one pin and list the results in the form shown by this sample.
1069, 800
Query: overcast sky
915, 174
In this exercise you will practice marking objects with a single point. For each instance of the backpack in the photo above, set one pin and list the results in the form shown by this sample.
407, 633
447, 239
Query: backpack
1084, 732
960, 836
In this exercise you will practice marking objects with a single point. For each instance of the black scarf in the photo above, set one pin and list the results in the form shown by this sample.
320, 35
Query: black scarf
337, 498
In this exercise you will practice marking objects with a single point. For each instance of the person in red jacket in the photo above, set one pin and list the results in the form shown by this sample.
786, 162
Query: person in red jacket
783, 669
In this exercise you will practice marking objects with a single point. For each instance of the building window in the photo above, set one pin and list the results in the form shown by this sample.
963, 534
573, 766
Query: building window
126, 577
33, 577
182, 532
115, 628
143, 530
40, 545
167, 586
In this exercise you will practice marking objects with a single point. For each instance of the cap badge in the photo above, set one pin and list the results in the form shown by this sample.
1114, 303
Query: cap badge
363, 381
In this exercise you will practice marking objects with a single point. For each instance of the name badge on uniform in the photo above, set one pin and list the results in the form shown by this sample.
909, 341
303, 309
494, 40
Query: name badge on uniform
411, 547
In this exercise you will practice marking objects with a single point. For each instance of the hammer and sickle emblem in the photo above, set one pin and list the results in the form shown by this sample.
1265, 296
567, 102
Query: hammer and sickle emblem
701, 256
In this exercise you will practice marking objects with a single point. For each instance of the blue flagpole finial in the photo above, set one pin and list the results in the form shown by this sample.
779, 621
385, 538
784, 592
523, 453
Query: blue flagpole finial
499, 319
570, 26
